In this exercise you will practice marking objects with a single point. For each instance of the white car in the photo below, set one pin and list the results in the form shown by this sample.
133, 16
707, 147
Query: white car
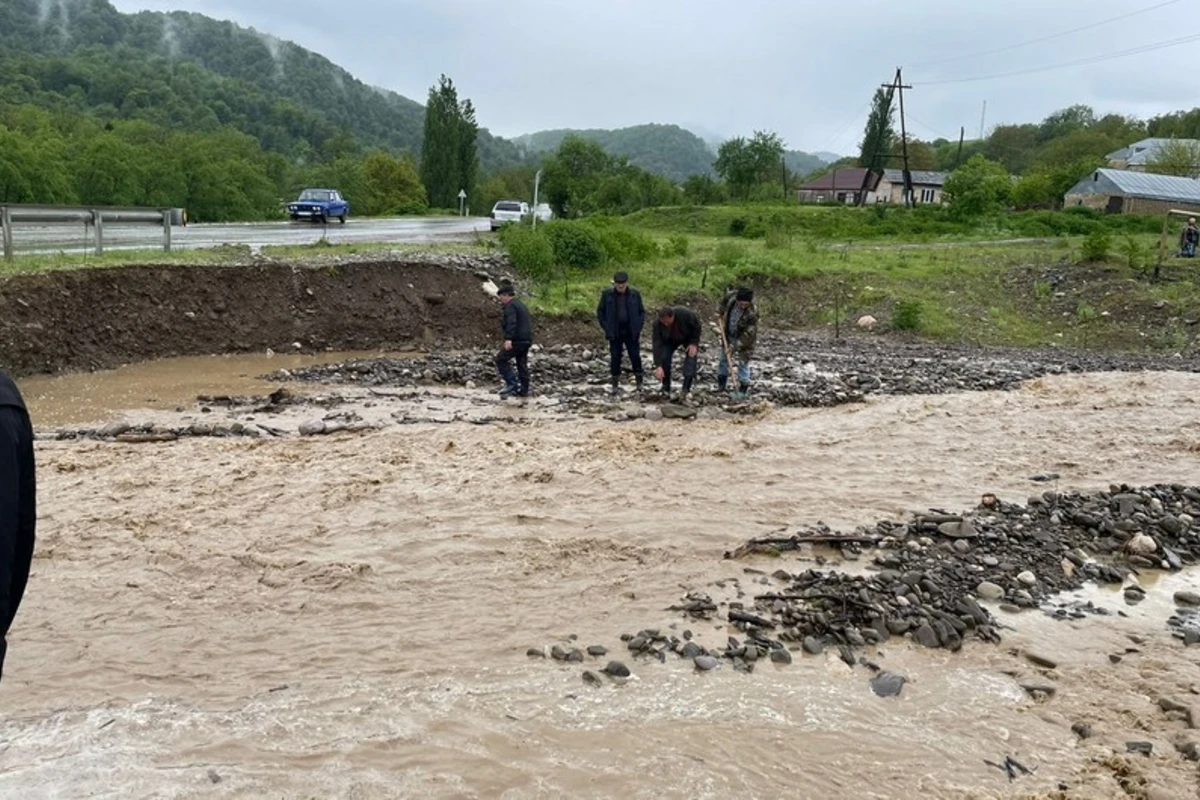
543, 212
507, 211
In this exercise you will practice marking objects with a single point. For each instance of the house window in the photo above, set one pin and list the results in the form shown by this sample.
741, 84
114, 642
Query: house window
927, 195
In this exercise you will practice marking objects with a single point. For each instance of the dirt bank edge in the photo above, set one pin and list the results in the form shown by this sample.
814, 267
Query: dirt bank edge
99, 318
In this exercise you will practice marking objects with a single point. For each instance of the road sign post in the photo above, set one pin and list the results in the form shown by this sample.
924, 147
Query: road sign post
537, 179
462, 202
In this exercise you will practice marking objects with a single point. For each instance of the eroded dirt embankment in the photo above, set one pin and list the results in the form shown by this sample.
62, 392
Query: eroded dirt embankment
98, 318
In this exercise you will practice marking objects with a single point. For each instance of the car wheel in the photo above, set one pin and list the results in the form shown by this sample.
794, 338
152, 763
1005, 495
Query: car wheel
342, 219
320, 218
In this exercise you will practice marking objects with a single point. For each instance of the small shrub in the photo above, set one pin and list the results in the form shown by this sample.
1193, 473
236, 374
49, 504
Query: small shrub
626, 246
737, 226
576, 245
1042, 290
678, 245
907, 316
1096, 246
729, 254
1132, 252
529, 250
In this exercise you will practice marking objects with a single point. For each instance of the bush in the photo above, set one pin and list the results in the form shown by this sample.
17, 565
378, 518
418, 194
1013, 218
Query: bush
1096, 246
729, 254
737, 226
576, 244
626, 246
529, 250
678, 245
907, 316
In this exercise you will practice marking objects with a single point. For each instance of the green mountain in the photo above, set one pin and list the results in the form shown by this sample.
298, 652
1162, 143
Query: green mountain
187, 71
666, 150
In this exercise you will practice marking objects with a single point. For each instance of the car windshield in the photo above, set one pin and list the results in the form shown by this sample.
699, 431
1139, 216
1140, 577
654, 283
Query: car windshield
315, 194
508, 206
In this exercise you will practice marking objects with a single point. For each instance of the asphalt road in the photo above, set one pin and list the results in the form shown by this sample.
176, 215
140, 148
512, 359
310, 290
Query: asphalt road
36, 238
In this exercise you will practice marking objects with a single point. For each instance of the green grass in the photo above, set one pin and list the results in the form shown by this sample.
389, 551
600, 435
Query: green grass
25, 264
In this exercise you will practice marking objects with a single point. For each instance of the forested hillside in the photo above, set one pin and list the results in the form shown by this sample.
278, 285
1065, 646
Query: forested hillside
666, 150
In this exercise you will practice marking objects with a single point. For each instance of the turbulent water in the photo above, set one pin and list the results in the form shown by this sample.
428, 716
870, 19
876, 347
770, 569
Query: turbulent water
348, 616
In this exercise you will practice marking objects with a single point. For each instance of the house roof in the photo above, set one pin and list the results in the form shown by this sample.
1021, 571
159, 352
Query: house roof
1138, 184
922, 177
849, 179
1141, 153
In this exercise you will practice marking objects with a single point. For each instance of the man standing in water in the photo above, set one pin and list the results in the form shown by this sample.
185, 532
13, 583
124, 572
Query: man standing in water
18, 504
739, 321
517, 325
676, 327
622, 316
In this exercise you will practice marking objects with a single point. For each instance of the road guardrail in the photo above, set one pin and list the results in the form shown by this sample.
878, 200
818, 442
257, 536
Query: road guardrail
93, 218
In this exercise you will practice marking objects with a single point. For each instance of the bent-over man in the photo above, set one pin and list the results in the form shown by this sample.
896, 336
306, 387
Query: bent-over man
676, 327
739, 321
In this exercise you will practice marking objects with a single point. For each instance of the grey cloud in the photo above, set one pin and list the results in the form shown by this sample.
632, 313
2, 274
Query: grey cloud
805, 70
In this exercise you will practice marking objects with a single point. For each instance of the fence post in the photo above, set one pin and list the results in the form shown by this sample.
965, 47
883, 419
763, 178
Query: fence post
6, 222
98, 221
166, 229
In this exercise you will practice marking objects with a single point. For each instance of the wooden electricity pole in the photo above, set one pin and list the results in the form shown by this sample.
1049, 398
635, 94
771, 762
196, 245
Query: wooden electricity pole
899, 86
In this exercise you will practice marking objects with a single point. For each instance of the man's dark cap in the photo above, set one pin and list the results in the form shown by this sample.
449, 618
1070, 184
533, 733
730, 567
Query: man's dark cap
621, 277
506, 288
666, 311
745, 294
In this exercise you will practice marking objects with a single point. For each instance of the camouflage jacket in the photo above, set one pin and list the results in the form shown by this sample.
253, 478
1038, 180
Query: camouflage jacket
745, 335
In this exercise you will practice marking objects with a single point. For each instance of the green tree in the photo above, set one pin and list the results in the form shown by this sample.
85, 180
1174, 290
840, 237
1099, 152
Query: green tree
880, 132
391, 185
573, 174
702, 190
449, 159
1067, 120
978, 187
1013, 146
1177, 157
746, 164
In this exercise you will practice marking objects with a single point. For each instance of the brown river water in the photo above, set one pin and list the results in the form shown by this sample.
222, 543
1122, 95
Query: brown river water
347, 616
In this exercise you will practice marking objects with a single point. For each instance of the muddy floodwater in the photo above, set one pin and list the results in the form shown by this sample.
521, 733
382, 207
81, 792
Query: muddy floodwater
349, 615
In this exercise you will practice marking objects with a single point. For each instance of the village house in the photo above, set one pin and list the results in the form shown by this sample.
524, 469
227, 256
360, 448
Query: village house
1139, 155
1119, 191
847, 185
927, 186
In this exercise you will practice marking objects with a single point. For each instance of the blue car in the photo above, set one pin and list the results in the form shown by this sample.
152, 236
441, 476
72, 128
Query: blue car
320, 205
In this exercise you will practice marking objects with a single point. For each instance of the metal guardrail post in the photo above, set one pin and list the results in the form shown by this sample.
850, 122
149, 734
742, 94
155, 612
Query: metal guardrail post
6, 223
98, 221
166, 230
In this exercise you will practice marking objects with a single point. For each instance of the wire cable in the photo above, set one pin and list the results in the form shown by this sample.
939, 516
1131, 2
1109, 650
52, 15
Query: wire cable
1044, 38
1146, 48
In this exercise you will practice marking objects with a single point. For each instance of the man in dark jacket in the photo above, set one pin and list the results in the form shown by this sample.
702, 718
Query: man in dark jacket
622, 316
739, 321
676, 327
517, 325
18, 504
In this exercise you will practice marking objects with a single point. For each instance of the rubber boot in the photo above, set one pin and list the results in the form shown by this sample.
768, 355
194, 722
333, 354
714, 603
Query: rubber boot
612, 385
722, 382
687, 386
639, 381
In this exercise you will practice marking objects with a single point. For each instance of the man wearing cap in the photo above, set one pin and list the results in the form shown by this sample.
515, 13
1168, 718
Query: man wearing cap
676, 327
622, 316
517, 325
18, 504
739, 321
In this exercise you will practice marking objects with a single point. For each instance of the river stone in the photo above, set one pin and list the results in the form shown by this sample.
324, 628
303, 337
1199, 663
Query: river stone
536, 652
1027, 578
114, 429
575, 655
989, 591
616, 669
558, 653
705, 663
1170, 524
1186, 598
691, 650
961, 546
958, 530
1040, 659
990, 561
653, 414
812, 645
781, 655
1082, 729
592, 677
926, 635
312, 427
672, 411
887, 684
597, 650
638, 643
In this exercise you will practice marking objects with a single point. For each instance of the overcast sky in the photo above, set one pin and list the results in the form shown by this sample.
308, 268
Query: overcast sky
803, 69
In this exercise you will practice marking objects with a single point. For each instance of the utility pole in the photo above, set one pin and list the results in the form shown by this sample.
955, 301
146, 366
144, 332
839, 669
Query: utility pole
899, 86
982, 119
962, 132
783, 167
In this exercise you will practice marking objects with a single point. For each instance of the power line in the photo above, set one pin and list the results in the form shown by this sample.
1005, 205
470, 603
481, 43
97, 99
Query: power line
1044, 38
1146, 48
833, 140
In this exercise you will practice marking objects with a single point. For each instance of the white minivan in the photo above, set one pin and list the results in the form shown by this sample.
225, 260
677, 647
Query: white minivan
506, 211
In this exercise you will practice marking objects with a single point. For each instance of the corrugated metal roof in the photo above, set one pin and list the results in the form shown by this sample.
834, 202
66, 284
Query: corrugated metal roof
849, 179
1141, 153
1149, 186
925, 177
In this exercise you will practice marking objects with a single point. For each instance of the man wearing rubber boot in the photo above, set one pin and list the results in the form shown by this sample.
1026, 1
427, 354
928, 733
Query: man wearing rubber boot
18, 504
622, 316
676, 327
517, 325
739, 323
